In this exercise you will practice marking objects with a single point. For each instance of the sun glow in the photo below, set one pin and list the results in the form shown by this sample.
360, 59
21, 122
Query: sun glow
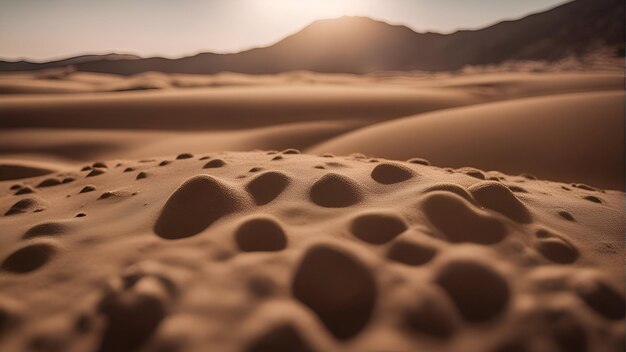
308, 8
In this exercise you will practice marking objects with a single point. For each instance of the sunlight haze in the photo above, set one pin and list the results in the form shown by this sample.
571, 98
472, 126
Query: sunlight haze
44, 30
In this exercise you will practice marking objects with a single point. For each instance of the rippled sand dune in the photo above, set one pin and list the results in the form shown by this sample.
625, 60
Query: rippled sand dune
298, 252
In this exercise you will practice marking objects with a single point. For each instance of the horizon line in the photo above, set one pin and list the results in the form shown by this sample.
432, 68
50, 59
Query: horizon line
261, 46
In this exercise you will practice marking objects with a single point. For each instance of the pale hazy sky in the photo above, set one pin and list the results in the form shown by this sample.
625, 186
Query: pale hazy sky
51, 29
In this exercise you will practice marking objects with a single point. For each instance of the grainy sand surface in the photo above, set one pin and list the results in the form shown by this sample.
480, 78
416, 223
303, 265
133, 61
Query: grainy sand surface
141, 213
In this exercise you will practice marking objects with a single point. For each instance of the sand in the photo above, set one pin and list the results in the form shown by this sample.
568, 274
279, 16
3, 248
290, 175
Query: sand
564, 137
475, 211
562, 126
300, 252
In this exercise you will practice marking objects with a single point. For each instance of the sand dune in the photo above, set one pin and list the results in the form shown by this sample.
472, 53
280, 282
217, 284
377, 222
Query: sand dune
510, 83
13, 170
313, 253
577, 137
76, 145
299, 109
402, 256
515, 85
224, 108
452, 194
32, 86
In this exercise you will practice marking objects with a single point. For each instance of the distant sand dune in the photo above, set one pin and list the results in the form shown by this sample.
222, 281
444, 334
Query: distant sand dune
565, 137
83, 144
223, 108
458, 120
12, 170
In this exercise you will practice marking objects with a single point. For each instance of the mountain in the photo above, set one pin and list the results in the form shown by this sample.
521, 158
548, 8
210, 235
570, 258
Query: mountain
76, 60
362, 45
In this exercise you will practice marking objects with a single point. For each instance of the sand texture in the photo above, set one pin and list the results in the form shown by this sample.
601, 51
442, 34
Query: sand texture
564, 126
282, 251
478, 210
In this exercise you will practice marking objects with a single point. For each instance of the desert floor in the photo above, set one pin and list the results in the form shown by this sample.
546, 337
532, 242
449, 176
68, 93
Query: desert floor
298, 212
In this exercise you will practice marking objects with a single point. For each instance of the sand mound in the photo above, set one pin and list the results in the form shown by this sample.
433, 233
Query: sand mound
267, 186
50, 182
308, 253
261, 235
470, 225
377, 227
391, 173
411, 253
133, 313
343, 297
497, 197
26, 205
335, 191
478, 292
28, 258
194, 206
45, 229
555, 247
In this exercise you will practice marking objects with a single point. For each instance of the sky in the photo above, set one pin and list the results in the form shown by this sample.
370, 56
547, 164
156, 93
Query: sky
40, 30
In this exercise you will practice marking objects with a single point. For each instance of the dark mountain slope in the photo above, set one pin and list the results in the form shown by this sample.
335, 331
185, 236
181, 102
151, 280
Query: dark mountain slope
361, 45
